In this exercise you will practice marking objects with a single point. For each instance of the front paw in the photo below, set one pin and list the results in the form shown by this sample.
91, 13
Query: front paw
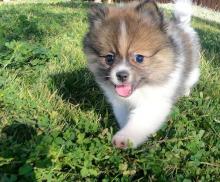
123, 140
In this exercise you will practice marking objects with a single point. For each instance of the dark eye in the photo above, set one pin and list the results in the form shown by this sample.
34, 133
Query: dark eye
109, 59
139, 58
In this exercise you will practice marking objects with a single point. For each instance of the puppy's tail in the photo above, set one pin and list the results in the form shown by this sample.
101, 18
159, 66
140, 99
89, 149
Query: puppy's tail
183, 11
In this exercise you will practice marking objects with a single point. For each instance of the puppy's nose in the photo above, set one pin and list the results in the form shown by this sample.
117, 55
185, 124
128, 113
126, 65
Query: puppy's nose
122, 76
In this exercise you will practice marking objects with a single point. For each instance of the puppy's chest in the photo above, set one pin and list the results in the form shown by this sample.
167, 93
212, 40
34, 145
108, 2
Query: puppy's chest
142, 97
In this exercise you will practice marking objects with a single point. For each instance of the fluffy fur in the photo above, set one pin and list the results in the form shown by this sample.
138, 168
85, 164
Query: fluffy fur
169, 70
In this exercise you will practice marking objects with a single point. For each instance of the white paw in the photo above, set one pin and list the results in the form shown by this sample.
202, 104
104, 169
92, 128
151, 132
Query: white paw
122, 140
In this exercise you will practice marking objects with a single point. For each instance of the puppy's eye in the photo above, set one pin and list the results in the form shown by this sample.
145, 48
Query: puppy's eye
109, 59
139, 58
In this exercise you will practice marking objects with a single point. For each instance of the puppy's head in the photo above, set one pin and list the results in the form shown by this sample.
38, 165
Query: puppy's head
128, 47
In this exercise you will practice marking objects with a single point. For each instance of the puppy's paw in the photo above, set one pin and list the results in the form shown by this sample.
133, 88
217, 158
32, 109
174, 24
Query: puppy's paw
122, 140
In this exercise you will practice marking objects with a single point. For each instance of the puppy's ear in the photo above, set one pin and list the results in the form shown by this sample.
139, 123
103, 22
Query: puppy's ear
96, 15
149, 9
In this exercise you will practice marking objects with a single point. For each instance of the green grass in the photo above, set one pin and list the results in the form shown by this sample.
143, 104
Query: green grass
55, 124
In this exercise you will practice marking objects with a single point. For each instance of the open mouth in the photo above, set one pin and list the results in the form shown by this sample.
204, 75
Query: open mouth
124, 90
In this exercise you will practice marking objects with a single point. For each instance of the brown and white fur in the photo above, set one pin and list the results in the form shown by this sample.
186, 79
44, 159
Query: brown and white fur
169, 70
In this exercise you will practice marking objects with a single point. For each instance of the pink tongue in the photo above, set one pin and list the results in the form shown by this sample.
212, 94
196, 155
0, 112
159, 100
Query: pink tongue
123, 90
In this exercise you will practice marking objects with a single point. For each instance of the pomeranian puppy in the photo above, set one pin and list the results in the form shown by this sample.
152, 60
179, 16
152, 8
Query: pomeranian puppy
142, 62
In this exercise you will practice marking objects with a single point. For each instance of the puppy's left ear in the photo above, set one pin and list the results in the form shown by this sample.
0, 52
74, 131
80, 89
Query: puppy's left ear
97, 15
149, 9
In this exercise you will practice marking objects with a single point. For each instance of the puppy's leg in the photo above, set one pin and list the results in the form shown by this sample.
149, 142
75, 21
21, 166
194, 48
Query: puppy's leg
121, 112
191, 81
142, 122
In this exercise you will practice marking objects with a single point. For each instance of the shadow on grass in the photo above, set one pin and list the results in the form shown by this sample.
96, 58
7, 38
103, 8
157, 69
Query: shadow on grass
20, 144
79, 88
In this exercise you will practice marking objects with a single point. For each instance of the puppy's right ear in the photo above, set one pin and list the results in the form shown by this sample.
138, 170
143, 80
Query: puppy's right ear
149, 9
96, 15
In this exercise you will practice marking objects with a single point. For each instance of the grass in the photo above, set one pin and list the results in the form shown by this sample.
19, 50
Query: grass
55, 124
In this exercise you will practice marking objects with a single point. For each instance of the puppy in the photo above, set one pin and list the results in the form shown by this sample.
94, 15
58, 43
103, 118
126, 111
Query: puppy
143, 63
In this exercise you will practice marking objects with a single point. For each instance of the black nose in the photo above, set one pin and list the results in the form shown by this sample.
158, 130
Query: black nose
122, 76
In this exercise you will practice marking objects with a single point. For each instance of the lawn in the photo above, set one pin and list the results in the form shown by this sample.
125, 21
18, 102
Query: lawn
55, 124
